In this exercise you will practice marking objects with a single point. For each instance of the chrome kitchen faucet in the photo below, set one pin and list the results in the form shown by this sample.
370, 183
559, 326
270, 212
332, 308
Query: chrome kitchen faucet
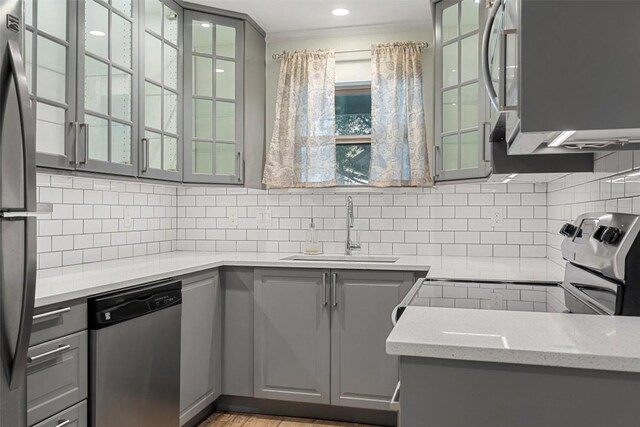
350, 245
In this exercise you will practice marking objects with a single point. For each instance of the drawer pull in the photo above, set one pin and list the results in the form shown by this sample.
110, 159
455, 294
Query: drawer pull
60, 349
52, 313
62, 423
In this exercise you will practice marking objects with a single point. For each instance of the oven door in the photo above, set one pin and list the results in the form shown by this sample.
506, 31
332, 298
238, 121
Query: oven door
587, 292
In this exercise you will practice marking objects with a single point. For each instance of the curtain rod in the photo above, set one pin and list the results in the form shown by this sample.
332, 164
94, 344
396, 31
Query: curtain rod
279, 56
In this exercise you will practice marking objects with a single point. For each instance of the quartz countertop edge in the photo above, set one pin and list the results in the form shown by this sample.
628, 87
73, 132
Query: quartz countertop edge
608, 343
58, 285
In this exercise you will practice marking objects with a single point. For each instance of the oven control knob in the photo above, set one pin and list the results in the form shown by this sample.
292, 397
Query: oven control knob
611, 235
568, 230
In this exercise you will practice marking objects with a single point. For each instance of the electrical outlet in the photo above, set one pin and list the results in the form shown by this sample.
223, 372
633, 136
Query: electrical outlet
497, 218
127, 222
496, 301
232, 216
263, 218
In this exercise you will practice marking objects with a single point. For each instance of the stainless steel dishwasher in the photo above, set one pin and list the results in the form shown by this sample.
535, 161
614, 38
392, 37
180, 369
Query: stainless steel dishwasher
135, 357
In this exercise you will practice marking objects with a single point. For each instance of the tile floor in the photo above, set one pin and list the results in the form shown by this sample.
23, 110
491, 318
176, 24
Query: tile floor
220, 419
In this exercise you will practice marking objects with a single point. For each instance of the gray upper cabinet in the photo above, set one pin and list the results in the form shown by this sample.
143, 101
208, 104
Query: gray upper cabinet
363, 375
291, 335
213, 110
201, 354
161, 79
107, 66
462, 113
49, 45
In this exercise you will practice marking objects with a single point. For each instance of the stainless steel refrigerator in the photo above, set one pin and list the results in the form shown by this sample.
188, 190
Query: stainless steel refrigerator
17, 218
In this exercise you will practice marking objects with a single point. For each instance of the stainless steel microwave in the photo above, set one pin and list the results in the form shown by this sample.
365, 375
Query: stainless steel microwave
565, 72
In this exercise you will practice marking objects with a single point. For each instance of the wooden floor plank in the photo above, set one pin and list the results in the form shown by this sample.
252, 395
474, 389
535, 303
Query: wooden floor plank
229, 419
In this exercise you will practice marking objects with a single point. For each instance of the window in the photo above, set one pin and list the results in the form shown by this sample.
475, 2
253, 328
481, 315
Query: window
353, 134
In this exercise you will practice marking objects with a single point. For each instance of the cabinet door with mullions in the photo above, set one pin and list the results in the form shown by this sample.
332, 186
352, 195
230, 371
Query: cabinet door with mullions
49, 45
107, 86
161, 90
213, 105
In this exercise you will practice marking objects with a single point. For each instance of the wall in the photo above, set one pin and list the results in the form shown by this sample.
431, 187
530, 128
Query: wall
87, 220
613, 187
448, 220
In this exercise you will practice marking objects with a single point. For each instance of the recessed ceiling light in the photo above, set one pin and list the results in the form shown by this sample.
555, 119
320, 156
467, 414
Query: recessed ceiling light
97, 33
340, 12
205, 24
219, 70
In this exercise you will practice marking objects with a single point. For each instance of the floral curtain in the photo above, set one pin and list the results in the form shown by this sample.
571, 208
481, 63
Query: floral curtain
398, 134
302, 151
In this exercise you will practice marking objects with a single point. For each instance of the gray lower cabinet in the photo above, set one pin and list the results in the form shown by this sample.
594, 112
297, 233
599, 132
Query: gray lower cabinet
200, 372
291, 335
319, 335
76, 416
363, 375
56, 376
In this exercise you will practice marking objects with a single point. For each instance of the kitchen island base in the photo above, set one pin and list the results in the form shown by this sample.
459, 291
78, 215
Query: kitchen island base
457, 393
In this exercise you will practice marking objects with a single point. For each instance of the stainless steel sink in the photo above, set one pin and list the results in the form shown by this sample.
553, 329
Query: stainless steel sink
342, 258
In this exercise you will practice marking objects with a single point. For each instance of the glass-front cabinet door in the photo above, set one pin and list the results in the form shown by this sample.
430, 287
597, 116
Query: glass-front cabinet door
462, 126
107, 86
49, 52
213, 99
161, 90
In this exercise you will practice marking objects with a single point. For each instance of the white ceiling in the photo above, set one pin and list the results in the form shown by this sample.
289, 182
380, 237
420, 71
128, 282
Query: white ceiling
281, 16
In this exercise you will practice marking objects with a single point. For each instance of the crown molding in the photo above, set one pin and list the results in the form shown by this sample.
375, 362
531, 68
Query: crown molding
348, 31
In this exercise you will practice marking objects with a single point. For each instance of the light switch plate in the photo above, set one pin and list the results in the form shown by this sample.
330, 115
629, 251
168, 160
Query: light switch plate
497, 218
232, 216
127, 222
263, 218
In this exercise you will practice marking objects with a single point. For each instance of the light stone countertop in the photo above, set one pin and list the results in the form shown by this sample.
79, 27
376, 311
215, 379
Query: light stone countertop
62, 284
609, 343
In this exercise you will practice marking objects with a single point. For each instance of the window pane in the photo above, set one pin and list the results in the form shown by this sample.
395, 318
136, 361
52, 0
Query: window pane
28, 12
225, 79
353, 114
469, 20
450, 152
469, 106
202, 76
96, 86
153, 15
96, 29
170, 112
450, 22
121, 41
170, 153
98, 148
469, 67
52, 70
225, 41
121, 143
50, 129
170, 25
28, 58
120, 94
226, 121
170, 67
123, 6
152, 58
225, 159
450, 65
469, 150
202, 37
155, 149
203, 118
203, 157
450, 111
52, 18
152, 106
352, 163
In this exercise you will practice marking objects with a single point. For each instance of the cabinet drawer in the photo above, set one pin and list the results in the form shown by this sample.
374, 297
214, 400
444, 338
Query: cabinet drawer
76, 416
56, 376
58, 321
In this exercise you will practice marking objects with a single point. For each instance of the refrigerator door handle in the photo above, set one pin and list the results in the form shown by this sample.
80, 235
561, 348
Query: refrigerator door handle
26, 122
19, 364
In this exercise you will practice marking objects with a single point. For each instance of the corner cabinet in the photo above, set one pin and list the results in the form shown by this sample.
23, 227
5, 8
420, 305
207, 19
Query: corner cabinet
462, 113
201, 354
